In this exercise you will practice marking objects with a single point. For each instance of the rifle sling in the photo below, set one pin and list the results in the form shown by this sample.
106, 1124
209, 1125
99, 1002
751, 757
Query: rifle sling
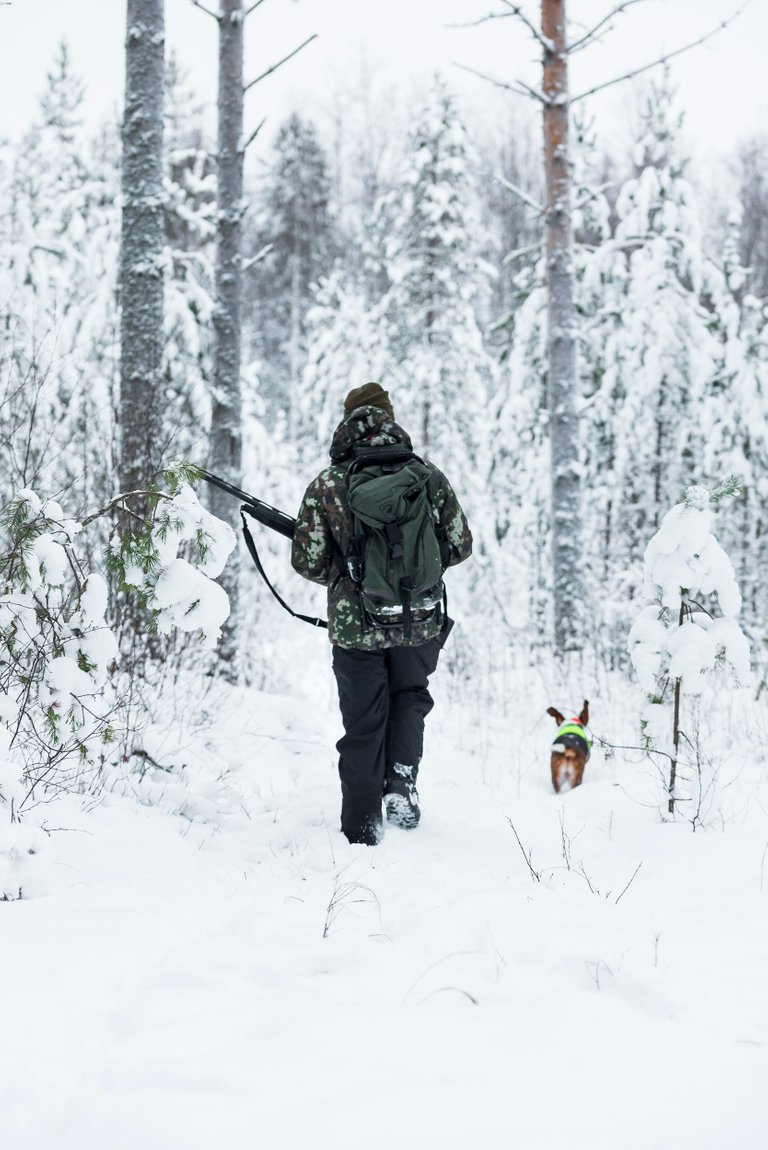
314, 622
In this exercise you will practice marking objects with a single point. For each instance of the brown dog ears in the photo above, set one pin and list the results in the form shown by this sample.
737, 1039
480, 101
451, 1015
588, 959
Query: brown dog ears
583, 715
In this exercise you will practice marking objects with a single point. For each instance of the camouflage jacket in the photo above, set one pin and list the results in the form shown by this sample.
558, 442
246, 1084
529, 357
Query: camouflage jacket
324, 527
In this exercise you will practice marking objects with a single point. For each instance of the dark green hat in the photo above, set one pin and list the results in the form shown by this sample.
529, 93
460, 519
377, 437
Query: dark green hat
369, 395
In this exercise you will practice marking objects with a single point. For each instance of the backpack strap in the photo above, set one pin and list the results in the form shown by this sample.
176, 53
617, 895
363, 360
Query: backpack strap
255, 556
441, 533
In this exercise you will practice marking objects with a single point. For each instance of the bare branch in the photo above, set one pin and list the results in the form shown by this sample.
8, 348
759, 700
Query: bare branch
538, 35
481, 20
216, 15
521, 195
252, 8
280, 63
593, 33
253, 135
121, 499
519, 87
661, 60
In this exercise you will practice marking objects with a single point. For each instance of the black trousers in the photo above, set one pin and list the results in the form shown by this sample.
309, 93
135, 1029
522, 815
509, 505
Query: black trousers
384, 701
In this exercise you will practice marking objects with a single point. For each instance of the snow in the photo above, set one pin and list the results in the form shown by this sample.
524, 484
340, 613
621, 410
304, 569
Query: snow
187, 599
677, 637
257, 980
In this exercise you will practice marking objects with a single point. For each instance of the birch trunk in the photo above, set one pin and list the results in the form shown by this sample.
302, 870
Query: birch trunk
561, 350
225, 440
142, 240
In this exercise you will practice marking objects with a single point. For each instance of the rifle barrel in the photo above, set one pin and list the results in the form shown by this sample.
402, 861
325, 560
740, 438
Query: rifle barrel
270, 516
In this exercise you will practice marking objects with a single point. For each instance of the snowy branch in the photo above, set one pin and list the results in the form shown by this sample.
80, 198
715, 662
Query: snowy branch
524, 251
280, 63
594, 33
260, 255
118, 499
538, 208
661, 60
519, 87
197, 4
593, 195
253, 7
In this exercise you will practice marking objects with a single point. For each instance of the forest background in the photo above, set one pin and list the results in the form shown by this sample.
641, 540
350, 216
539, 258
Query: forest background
190, 940
393, 233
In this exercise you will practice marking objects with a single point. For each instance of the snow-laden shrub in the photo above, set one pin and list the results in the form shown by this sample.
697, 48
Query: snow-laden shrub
177, 591
57, 693
679, 640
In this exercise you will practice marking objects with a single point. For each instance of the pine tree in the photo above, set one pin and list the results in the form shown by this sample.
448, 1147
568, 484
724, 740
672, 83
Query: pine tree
347, 346
651, 301
735, 419
295, 227
57, 302
440, 370
190, 231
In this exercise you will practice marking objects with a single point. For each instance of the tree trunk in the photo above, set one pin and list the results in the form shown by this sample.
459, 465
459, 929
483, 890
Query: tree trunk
141, 275
225, 441
675, 730
561, 349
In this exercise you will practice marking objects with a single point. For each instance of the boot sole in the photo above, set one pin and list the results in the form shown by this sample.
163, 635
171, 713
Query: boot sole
400, 812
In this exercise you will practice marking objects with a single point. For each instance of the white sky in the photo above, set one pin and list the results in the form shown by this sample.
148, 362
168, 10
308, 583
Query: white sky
723, 85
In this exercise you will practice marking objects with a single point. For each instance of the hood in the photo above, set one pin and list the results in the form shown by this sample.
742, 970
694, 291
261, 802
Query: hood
369, 425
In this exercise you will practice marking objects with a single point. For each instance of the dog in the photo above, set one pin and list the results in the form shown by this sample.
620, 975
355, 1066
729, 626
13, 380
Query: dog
570, 750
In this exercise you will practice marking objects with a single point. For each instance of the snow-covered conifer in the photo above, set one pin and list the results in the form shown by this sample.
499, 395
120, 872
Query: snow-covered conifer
441, 375
294, 226
677, 640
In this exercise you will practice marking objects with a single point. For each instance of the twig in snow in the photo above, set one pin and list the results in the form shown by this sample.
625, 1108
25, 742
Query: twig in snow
536, 876
424, 973
629, 884
443, 989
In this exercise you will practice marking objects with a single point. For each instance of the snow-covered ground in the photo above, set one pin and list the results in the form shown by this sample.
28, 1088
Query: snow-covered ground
249, 979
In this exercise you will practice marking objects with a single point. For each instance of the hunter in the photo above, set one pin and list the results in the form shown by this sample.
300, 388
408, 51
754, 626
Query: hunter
386, 606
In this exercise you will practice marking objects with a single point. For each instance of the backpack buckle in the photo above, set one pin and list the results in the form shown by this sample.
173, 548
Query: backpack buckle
395, 540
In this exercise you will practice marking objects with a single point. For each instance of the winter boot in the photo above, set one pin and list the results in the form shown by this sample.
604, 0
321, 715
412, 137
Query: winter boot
369, 834
401, 799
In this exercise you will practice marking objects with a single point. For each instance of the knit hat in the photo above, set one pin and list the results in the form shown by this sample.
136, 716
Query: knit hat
369, 395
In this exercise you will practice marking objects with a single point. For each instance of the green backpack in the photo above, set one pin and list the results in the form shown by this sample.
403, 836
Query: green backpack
395, 554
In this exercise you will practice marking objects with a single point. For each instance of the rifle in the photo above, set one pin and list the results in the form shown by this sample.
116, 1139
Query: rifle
270, 517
